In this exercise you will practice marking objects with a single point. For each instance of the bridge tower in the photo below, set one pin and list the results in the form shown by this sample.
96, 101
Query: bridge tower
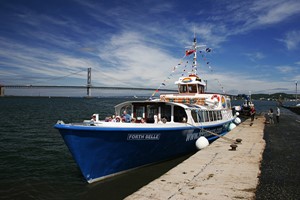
1, 91
89, 82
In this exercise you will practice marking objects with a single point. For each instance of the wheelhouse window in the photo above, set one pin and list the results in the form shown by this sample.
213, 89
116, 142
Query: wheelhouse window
183, 89
188, 88
192, 88
200, 89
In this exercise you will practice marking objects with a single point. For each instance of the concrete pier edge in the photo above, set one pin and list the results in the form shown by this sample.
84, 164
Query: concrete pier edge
216, 172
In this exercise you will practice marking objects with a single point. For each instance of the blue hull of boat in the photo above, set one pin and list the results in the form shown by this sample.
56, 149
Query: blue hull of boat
101, 152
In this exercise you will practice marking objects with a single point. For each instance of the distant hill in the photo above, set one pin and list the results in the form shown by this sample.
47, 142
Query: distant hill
275, 96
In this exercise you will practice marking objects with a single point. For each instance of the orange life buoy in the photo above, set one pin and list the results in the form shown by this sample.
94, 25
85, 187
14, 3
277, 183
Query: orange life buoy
216, 96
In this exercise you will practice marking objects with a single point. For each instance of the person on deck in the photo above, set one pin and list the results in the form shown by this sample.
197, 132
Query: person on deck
126, 117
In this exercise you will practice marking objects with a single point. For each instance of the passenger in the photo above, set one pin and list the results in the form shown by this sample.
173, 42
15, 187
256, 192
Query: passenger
118, 119
252, 114
133, 120
113, 118
164, 120
126, 117
108, 119
271, 116
93, 118
277, 115
143, 121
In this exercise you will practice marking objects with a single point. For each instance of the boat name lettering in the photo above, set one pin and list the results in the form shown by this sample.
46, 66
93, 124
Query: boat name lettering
196, 135
143, 136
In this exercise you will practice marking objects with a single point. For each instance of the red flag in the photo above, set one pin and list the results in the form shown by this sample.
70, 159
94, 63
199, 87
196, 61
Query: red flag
189, 52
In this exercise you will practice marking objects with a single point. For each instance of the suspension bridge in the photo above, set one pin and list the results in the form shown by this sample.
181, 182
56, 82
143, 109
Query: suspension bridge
88, 87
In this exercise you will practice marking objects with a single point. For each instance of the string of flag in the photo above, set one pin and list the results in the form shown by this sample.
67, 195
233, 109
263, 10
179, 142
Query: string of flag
210, 68
168, 77
184, 70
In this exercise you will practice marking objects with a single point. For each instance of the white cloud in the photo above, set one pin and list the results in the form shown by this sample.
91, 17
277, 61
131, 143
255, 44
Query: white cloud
255, 56
271, 12
285, 69
134, 61
246, 16
291, 39
237, 83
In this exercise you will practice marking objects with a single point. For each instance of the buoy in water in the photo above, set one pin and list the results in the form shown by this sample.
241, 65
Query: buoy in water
237, 120
231, 126
202, 142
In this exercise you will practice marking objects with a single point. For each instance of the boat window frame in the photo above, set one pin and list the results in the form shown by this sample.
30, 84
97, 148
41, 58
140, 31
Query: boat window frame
179, 118
188, 88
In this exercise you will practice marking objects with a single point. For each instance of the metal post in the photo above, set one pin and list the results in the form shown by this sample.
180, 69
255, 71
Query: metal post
89, 82
296, 91
1, 91
205, 81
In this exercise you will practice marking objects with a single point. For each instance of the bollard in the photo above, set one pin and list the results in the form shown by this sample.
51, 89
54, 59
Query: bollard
233, 147
238, 140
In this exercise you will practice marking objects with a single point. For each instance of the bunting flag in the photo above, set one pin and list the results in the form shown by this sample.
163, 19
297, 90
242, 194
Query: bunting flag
208, 50
189, 52
168, 78
184, 71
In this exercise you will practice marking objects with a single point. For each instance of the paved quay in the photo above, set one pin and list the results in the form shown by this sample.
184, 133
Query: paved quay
215, 172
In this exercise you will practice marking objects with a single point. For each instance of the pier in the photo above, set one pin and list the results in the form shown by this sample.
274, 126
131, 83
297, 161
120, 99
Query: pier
216, 172
264, 166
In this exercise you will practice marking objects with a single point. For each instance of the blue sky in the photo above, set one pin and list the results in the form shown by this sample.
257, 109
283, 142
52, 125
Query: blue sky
136, 43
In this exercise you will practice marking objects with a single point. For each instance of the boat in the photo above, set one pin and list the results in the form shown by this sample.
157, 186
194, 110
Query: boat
144, 132
246, 107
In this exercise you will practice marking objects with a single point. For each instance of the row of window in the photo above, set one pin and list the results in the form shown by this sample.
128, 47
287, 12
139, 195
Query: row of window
148, 111
206, 115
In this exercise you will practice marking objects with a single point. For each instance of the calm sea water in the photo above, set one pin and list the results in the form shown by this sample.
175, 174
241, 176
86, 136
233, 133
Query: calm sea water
35, 162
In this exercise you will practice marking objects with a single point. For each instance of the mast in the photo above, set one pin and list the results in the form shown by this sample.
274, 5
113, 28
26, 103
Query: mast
194, 66
194, 49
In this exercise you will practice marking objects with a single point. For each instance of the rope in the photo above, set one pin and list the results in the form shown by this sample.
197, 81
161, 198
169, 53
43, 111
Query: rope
215, 134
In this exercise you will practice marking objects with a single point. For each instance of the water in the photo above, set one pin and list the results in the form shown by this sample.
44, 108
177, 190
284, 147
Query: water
35, 162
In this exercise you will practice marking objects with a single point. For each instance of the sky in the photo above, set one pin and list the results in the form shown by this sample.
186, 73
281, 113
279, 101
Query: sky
255, 44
